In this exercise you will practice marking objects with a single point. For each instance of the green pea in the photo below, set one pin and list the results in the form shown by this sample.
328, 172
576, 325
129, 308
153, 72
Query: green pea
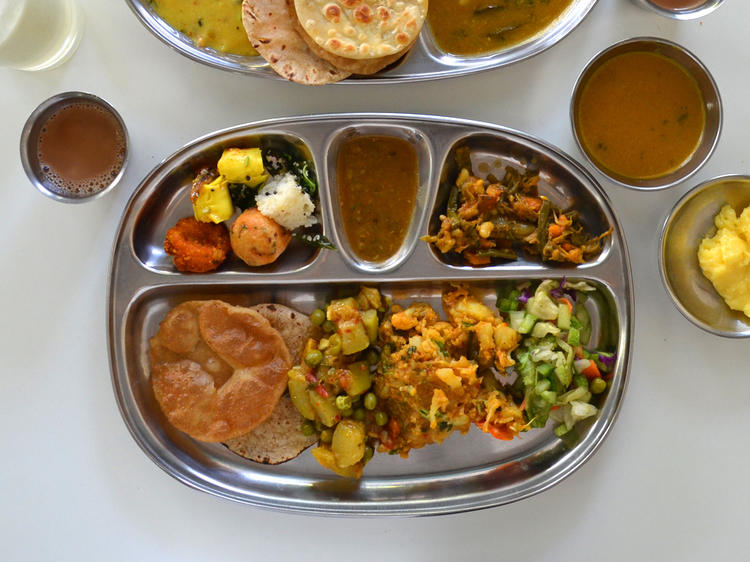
308, 428
369, 452
343, 402
318, 317
314, 358
597, 385
347, 413
371, 400
372, 357
326, 436
381, 418
359, 414
329, 327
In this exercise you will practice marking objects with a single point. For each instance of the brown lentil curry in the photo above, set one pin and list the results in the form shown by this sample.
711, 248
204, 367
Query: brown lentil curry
377, 183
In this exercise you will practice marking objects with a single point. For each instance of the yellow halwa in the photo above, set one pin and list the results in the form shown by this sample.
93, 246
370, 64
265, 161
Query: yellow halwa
725, 258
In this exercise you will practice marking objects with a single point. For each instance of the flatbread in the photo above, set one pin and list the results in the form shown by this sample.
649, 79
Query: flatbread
362, 29
294, 327
363, 66
269, 28
280, 437
217, 371
276, 440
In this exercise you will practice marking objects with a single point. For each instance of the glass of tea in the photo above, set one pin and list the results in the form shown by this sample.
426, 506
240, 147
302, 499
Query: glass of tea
38, 34
680, 9
74, 147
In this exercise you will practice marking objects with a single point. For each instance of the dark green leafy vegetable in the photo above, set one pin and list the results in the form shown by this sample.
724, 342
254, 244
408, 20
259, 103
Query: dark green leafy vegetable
317, 240
243, 196
279, 162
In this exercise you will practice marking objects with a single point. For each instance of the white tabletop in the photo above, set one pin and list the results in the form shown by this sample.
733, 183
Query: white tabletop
670, 481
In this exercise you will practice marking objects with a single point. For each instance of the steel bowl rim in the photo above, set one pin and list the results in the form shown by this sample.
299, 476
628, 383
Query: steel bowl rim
666, 225
661, 41
684, 14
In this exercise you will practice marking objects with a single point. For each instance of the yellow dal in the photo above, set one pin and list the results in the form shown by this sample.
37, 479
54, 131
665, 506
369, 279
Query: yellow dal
470, 27
725, 258
209, 23
641, 115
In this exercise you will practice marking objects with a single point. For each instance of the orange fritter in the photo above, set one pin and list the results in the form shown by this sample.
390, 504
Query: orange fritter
196, 246
217, 370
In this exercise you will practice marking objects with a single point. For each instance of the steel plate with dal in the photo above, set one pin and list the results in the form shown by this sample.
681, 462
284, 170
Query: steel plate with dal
466, 472
425, 61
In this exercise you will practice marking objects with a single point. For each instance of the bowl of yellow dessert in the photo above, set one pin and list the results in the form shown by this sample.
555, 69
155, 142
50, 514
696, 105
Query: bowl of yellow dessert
705, 256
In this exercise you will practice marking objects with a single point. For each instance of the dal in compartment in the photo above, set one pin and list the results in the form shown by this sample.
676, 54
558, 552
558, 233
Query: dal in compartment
475, 27
377, 183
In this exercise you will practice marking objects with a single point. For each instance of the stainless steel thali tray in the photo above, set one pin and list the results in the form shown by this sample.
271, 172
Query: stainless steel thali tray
466, 472
425, 61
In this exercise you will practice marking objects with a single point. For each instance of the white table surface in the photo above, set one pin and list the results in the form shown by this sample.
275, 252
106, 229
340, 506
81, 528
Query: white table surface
670, 482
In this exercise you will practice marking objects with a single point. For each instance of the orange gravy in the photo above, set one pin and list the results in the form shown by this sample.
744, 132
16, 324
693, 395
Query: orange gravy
640, 115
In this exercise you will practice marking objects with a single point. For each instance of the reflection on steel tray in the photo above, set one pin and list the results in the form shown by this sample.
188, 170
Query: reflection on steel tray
425, 61
466, 472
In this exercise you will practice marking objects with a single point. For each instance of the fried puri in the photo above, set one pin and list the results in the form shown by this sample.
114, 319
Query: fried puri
280, 437
217, 370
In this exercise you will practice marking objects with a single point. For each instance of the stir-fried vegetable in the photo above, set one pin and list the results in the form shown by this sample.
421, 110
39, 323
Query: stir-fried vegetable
492, 219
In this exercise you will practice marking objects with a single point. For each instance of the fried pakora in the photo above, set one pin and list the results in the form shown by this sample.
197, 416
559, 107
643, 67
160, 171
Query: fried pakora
195, 246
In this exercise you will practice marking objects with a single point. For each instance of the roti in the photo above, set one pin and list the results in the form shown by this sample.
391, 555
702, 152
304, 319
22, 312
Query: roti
269, 28
276, 440
362, 29
363, 66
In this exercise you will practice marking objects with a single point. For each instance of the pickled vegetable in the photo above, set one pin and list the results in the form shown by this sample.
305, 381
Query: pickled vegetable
242, 165
212, 202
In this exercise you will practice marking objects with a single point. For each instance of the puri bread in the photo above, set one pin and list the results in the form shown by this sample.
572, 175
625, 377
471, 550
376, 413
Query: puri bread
362, 29
280, 437
363, 66
268, 24
217, 370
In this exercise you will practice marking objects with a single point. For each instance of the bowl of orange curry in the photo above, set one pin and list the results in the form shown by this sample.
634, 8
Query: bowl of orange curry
646, 113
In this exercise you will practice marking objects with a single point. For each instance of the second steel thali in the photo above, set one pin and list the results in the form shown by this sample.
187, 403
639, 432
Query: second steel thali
425, 61
466, 472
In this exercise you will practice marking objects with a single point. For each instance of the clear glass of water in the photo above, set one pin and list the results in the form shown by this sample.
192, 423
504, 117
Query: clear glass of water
38, 34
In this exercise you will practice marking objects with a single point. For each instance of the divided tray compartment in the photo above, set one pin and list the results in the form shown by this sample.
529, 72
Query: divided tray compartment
425, 60
466, 472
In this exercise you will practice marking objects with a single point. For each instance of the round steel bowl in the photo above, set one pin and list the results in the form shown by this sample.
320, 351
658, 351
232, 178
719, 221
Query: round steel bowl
699, 11
687, 224
425, 61
711, 101
30, 139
